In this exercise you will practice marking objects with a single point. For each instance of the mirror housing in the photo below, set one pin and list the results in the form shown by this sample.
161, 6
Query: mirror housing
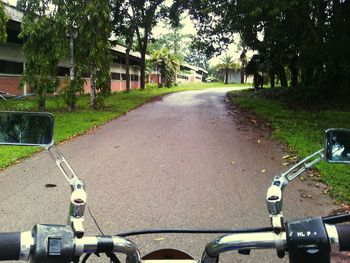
337, 148
26, 128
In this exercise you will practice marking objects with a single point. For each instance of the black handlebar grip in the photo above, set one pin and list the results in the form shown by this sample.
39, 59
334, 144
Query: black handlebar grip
344, 237
10, 246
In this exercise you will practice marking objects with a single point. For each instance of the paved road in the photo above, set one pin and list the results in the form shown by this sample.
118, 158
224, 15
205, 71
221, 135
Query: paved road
166, 164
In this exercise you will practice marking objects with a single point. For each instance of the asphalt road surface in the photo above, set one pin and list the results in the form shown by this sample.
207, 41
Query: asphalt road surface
183, 161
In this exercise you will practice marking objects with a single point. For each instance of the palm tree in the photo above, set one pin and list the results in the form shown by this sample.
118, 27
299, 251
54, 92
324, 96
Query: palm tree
227, 64
167, 64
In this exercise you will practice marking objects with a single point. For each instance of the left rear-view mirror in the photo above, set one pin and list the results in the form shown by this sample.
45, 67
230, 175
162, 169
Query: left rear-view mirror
337, 146
26, 128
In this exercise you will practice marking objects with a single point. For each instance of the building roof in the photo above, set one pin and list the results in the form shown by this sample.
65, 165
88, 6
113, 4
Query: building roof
122, 49
14, 13
194, 68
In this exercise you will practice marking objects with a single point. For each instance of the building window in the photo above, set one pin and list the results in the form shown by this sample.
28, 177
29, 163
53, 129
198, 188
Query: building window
115, 76
134, 78
134, 62
123, 76
62, 71
116, 59
10, 67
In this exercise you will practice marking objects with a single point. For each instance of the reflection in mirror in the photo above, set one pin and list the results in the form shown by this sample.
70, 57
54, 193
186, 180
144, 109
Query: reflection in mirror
338, 145
26, 128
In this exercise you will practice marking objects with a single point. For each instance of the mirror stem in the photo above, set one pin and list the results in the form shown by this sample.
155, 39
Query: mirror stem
78, 194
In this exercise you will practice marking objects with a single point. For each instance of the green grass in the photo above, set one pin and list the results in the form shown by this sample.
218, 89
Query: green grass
70, 124
303, 132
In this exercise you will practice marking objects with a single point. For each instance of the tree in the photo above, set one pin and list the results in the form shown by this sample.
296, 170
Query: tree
93, 29
3, 22
68, 14
146, 14
43, 47
197, 58
168, 65
308, 37
227, 64
243, 59
124, 27
254, 67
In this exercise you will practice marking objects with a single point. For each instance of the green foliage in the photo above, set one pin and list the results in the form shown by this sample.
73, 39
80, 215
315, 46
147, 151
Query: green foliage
303, 132
70, 89
174, 41
93, 29
3, 21
167, 65
43, 49
309, 38
145, 14
227, 64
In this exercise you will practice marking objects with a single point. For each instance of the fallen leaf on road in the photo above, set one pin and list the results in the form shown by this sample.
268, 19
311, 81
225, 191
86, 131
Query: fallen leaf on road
302, 178
50, 185
263, 171
285, 164
285, 157
233, 162
258, 141
159, 239
306, 196
253, 121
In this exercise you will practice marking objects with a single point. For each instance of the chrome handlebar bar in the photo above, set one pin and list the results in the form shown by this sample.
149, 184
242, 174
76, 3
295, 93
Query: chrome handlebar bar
115, 244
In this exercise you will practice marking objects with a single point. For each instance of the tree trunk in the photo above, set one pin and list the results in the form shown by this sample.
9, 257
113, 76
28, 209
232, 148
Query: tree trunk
93, 102
272, 79
242, 74
282, 75
71, 101
143, 69
127, 70
226, 76
42, 102
294, 75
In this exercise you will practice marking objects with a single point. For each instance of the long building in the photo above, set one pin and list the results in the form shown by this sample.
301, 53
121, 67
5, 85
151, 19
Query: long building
187, 74
12, 62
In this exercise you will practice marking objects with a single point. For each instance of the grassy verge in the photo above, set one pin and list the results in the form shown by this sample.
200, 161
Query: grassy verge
68, 125
303, 132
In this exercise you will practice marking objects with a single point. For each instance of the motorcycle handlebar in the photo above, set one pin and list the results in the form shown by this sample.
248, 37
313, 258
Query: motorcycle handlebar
10, 246
20, 246
343, 232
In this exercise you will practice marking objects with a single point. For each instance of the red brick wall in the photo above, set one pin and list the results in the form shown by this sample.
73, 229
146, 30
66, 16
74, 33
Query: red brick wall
154, 78
10, 85
135, 84
87, 87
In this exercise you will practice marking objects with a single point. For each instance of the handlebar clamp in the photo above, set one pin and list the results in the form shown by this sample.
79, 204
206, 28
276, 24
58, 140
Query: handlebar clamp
307, 241
53, 244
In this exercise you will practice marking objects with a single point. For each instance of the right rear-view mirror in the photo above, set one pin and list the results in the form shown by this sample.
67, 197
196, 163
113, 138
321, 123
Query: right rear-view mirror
337, 146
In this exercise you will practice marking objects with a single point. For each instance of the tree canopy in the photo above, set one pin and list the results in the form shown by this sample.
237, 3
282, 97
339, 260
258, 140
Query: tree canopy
307, 38
43, 48
3, 21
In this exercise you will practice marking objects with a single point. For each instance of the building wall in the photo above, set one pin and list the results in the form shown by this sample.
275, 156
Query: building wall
154, 78
234, 77
10, 84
